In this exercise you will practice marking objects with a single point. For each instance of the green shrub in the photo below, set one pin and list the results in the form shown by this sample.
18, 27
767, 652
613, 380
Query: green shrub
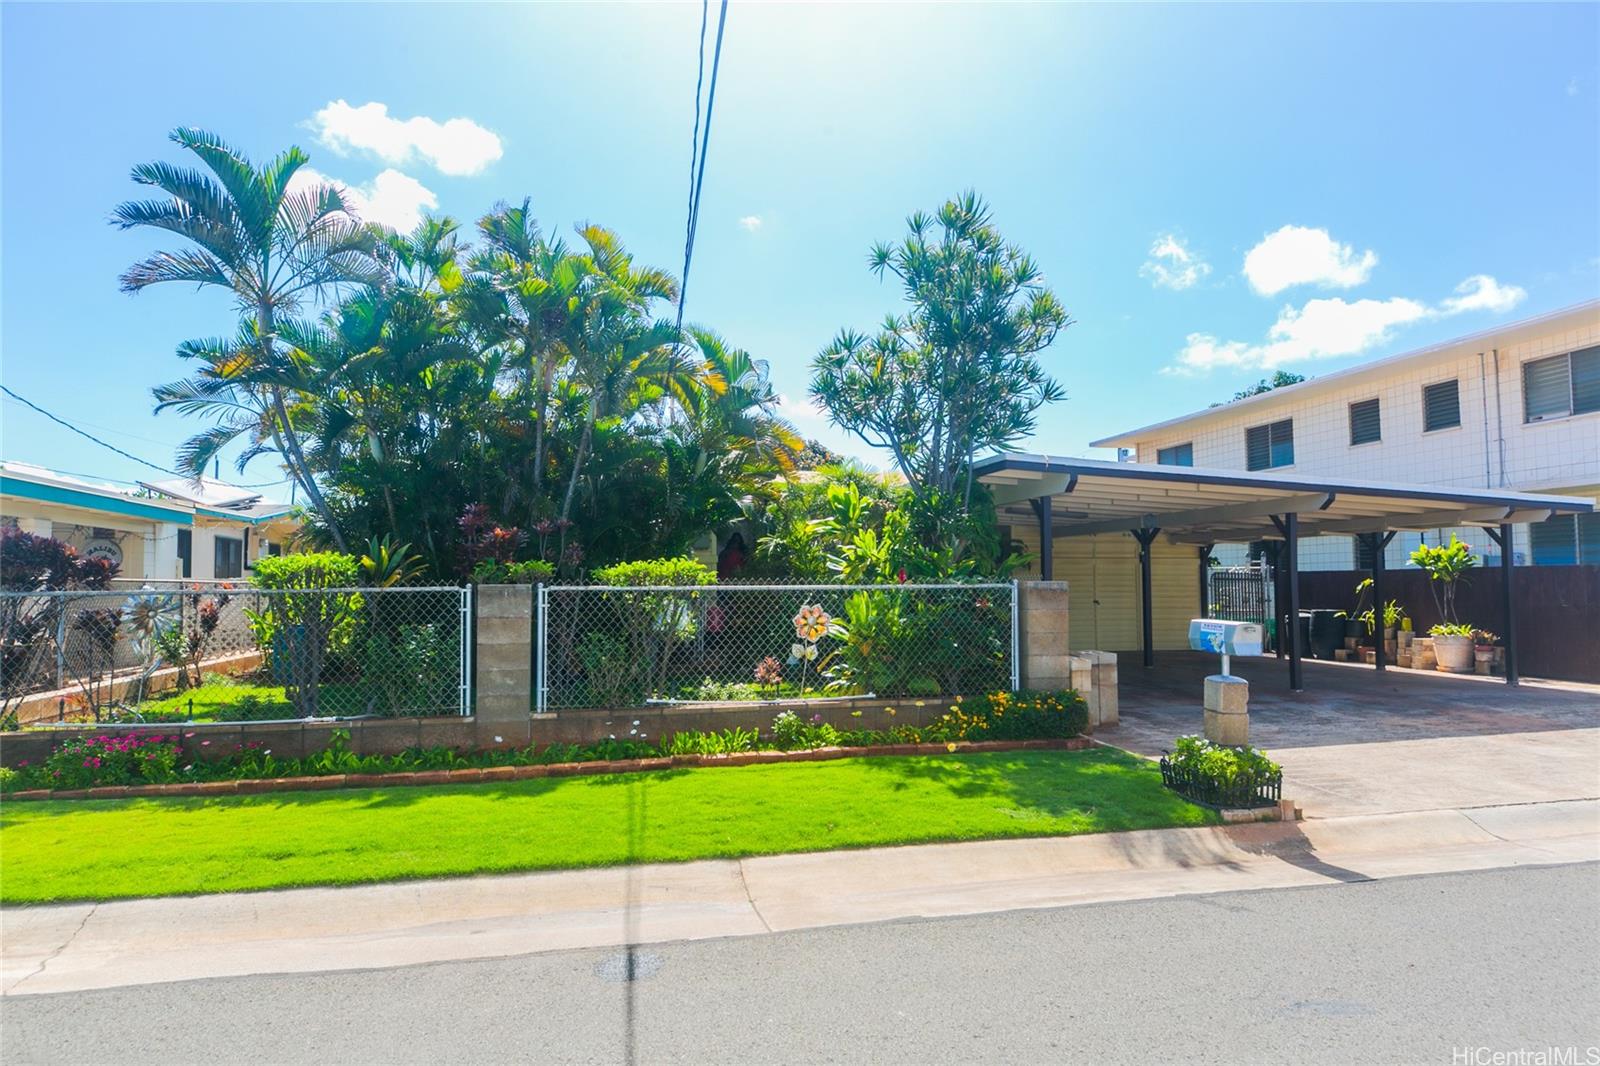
1225, 767
614, 676
304, 623
656, 572
9, 779
794, 733
723, 743
411, 668
1023, 715
88, 762
491, 572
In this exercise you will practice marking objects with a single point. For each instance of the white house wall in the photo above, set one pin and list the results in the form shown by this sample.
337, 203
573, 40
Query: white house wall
1492, 448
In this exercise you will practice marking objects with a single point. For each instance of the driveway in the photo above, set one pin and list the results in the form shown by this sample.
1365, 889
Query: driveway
1357, 742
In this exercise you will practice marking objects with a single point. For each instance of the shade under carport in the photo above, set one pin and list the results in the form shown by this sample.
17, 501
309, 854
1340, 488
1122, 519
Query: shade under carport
1071, 497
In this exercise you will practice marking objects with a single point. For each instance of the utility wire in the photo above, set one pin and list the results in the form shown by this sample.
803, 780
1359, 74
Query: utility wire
700, 144
126, 455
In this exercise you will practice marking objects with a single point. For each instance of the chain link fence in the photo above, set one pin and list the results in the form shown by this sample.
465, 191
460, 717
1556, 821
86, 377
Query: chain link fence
602, 646
170, 651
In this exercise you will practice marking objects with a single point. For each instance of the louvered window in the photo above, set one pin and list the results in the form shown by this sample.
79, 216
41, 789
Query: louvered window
1269, 446
1441, 406
1554, 541
1561, 385
1177, 455
1365, 426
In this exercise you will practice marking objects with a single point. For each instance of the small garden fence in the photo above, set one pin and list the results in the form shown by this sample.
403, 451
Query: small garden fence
606, 646
238, 653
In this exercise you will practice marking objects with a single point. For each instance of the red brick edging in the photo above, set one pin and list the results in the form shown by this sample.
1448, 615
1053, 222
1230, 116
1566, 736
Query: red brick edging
522, 773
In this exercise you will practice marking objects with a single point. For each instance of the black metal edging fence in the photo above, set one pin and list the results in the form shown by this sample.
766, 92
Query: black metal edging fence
1209, 792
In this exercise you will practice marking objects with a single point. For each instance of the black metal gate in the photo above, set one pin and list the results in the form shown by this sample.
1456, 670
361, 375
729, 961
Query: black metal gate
1241, 594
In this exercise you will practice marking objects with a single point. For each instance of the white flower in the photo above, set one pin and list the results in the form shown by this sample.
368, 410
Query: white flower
497, 740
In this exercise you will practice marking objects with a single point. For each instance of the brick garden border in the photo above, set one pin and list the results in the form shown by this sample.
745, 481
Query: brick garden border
256, 786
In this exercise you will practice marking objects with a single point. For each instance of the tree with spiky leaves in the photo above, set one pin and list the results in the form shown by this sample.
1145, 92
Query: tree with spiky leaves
274, 247
959, 372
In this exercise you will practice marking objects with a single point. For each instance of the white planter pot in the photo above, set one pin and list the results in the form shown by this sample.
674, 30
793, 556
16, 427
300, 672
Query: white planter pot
1454, 654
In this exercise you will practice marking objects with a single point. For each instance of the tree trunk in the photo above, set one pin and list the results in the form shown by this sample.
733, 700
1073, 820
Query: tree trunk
577, 469
265, 329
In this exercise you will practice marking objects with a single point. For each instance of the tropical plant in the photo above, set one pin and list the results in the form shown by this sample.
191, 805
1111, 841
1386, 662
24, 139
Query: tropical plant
1447, 566
958, 373
387, 564
310, 611
273, 243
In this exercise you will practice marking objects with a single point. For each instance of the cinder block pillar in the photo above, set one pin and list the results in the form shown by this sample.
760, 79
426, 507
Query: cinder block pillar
1042, 644
1102, 691
504, 662
1227, 703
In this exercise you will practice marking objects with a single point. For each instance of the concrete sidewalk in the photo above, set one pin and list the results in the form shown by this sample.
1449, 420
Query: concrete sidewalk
74, 947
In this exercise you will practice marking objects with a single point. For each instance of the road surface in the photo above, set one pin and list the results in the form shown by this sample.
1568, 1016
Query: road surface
1400, 970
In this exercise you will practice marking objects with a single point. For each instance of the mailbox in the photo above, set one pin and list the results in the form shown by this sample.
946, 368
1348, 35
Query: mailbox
1221, 637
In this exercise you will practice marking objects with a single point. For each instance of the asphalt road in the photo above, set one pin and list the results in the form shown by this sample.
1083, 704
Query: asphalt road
1403, 970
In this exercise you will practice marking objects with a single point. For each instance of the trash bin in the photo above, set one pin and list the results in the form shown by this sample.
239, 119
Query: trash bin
1327, 633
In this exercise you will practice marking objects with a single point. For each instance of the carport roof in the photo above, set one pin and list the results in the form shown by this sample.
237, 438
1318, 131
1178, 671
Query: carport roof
1200, 505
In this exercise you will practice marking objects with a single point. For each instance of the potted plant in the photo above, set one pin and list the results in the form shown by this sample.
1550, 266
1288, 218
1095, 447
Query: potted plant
1447, 566
1484, 652
1452, 647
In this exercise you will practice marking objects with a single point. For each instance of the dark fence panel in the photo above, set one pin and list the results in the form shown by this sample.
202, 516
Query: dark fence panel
1558, 610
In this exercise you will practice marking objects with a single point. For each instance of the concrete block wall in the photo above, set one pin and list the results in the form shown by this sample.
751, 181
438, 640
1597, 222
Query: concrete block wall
503, 665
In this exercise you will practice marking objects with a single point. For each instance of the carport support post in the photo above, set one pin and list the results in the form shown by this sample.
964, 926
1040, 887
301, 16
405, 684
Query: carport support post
1379, 542
1291, 573
1047, 548
1205, 580
1146, 614
1508, 572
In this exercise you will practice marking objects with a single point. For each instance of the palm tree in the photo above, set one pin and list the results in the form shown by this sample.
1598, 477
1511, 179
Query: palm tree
733, 415
537, 289
274, 247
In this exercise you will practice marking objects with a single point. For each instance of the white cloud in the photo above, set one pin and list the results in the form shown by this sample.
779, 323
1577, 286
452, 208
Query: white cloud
1299, 255
391, 199
751, 223
1329, 327
1483, 293
1173, 266
457, 146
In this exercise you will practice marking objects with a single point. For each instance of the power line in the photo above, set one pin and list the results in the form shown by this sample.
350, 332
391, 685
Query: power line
104, 444
697, 154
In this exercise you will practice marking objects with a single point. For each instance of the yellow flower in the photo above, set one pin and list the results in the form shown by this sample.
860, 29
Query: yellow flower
950, 747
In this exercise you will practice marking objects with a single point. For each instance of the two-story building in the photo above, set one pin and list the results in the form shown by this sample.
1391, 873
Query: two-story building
1515, 408
162, 530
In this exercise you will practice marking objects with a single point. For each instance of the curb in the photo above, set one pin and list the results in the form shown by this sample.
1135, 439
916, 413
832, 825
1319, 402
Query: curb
476, 775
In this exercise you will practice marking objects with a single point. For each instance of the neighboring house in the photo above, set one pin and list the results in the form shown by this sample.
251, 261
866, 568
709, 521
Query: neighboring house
1516, 407
169, 529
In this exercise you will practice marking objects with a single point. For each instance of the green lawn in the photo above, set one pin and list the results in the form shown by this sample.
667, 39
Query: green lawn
109, 849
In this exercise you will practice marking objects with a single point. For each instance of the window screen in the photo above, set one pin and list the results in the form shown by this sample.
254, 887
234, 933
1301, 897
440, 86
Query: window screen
1554, 541
1269, 446
1586, 381
1364, 553
1177, 455
228, 557
1441, 406
1589, 539
1546, 388
1365, 426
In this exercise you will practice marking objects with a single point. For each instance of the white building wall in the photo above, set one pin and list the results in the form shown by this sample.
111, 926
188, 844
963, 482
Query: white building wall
1492, 447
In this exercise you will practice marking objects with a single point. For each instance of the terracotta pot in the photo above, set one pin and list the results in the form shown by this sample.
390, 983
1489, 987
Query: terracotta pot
1454, 654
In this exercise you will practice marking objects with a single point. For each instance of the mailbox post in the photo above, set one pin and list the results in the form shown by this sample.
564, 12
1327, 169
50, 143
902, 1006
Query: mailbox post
1227, 698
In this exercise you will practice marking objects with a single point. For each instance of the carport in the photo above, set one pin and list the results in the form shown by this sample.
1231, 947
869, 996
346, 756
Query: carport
1064, 498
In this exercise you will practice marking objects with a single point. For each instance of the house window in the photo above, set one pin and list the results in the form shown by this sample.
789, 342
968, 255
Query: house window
1566, 540
1365, 424
1177, 455
186, 553
1561, 385
228, 557
1441, 406
1269, 446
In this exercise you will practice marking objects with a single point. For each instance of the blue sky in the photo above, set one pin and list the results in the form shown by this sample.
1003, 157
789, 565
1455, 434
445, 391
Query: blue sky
1212, 191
